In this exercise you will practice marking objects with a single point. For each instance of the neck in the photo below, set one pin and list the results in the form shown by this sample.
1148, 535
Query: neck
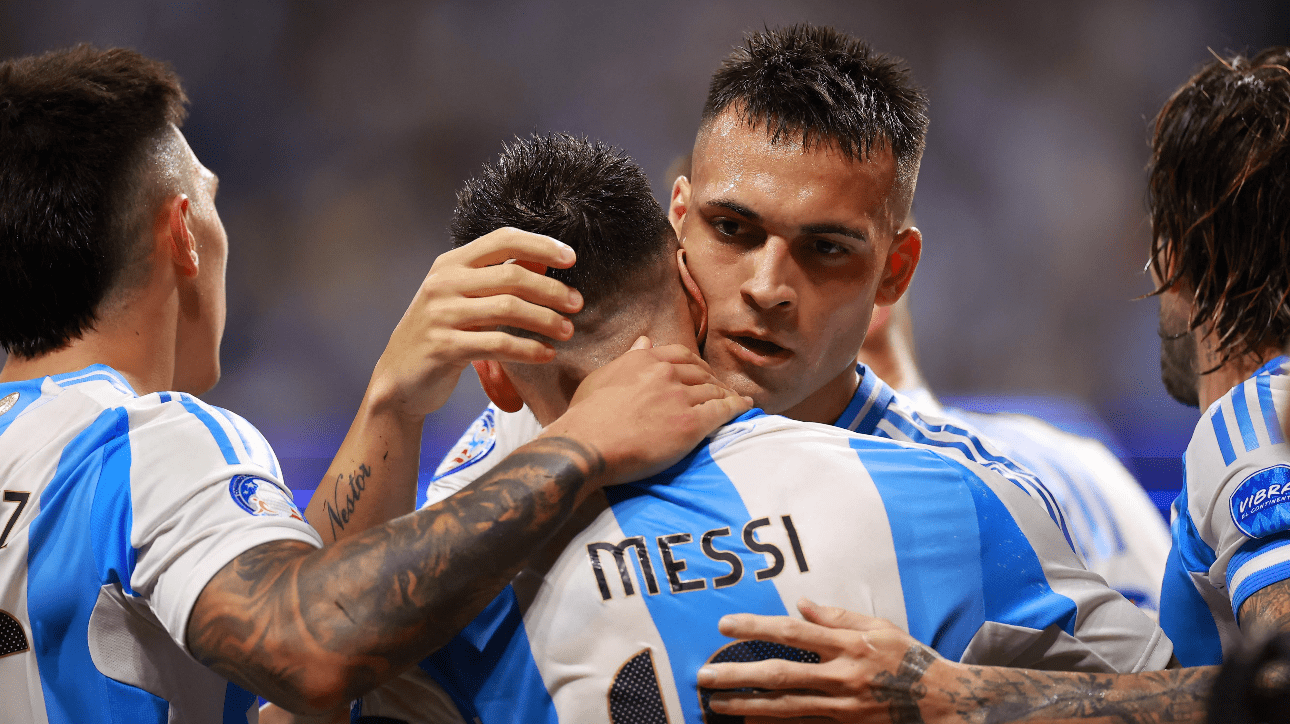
136, 339
1236, 370
827, 403
891, 357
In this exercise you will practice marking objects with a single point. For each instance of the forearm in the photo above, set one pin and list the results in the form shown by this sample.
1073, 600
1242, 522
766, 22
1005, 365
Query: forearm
310, 631
994, 695
373, 478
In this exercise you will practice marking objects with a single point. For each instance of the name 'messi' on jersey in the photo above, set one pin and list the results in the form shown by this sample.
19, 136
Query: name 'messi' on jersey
674, 566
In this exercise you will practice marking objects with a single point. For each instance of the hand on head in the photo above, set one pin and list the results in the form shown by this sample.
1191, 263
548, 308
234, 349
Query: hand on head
453, 319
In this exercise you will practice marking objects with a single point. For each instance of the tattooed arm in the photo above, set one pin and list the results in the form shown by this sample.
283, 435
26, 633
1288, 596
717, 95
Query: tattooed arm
311, 629
871, 671
449, 323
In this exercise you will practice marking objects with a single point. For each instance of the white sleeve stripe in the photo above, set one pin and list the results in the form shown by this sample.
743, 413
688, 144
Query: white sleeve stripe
1267, 559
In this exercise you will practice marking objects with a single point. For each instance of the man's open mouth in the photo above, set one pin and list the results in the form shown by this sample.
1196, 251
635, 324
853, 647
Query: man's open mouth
760, 347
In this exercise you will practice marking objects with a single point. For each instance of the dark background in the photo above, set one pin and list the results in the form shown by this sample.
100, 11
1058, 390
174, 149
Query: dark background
341, 131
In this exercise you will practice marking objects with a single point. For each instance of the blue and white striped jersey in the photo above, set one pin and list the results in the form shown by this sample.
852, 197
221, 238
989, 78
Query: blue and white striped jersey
614, 621
1231, 523
1115, 526
116, 511
875, 409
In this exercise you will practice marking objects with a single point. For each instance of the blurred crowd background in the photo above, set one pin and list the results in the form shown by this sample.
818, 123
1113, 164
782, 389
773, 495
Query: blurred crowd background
341, 130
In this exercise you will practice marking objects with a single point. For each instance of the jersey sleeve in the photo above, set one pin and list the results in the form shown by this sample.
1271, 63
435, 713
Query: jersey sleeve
1238, 489
494, 435
205, 488
1043, 608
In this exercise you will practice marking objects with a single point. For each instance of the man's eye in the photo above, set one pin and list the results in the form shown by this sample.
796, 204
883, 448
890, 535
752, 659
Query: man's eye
829, 248
726, 227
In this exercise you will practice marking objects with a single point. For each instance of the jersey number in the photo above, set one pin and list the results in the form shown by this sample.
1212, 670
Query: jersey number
13, 496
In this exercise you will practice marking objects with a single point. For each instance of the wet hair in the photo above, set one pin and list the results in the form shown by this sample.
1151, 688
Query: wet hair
1219, 197
588, 195
826, 87
75, 127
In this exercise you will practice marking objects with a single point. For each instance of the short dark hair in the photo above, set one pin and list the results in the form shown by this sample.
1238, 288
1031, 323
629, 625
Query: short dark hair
826, 86
588, 195
1219, 197
74, 127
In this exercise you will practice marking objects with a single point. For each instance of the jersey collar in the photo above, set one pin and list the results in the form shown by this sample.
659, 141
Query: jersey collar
1273, 366
868, 404
95, 373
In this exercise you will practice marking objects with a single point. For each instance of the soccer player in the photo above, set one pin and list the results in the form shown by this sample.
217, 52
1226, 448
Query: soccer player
803, 171
153, 567
1110, 518
1219, 195
615, 621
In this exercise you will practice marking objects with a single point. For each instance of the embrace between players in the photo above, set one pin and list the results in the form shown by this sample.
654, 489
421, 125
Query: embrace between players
583, 560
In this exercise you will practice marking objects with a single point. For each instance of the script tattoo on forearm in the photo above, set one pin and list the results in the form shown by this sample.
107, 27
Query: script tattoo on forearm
339, 514
905, 688
368, 606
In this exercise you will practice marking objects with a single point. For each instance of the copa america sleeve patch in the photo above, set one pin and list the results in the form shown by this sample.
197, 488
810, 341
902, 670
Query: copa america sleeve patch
1261, 504
258, 496
478, 441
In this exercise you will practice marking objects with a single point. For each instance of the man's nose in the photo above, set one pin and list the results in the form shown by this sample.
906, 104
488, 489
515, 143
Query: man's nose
773, 273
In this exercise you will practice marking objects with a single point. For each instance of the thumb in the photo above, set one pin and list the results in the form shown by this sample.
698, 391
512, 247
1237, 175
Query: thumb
642, 342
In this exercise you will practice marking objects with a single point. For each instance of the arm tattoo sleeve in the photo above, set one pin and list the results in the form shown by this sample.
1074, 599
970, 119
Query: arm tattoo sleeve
283, 616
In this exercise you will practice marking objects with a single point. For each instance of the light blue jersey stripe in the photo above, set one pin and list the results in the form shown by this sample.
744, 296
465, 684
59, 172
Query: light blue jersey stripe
28, 392
1184, 614
1243, 421
80, 541
217, 432
940, 575
1220, 434
488, 669
702, 498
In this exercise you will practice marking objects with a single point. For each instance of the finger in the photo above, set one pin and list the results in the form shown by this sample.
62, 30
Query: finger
471, 314
715, 413
497, 246
780, 705
500, 346
642, 342
769, 674
782, 630
699, 393
832, 617
517, 281
693, 374
678, 353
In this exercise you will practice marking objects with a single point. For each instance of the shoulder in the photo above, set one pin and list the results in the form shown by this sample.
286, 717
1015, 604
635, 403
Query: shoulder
185, 425
1237, 465
493, 435
489, 439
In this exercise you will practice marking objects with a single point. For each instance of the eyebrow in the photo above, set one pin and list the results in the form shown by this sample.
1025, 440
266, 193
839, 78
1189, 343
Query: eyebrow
751, 215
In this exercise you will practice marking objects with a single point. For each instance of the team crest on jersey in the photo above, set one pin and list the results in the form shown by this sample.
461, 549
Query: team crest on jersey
8, 402
1261, 504
258, 496
478, 441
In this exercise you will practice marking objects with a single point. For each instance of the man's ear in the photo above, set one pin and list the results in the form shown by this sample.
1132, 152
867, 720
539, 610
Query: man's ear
898, 272
176, 238
497, 385
698, 305
679, 204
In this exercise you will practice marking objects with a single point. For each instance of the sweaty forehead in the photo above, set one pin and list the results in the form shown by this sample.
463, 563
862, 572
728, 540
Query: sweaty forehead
735, 162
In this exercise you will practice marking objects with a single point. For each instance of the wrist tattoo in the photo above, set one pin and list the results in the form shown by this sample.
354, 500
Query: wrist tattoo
905, 688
